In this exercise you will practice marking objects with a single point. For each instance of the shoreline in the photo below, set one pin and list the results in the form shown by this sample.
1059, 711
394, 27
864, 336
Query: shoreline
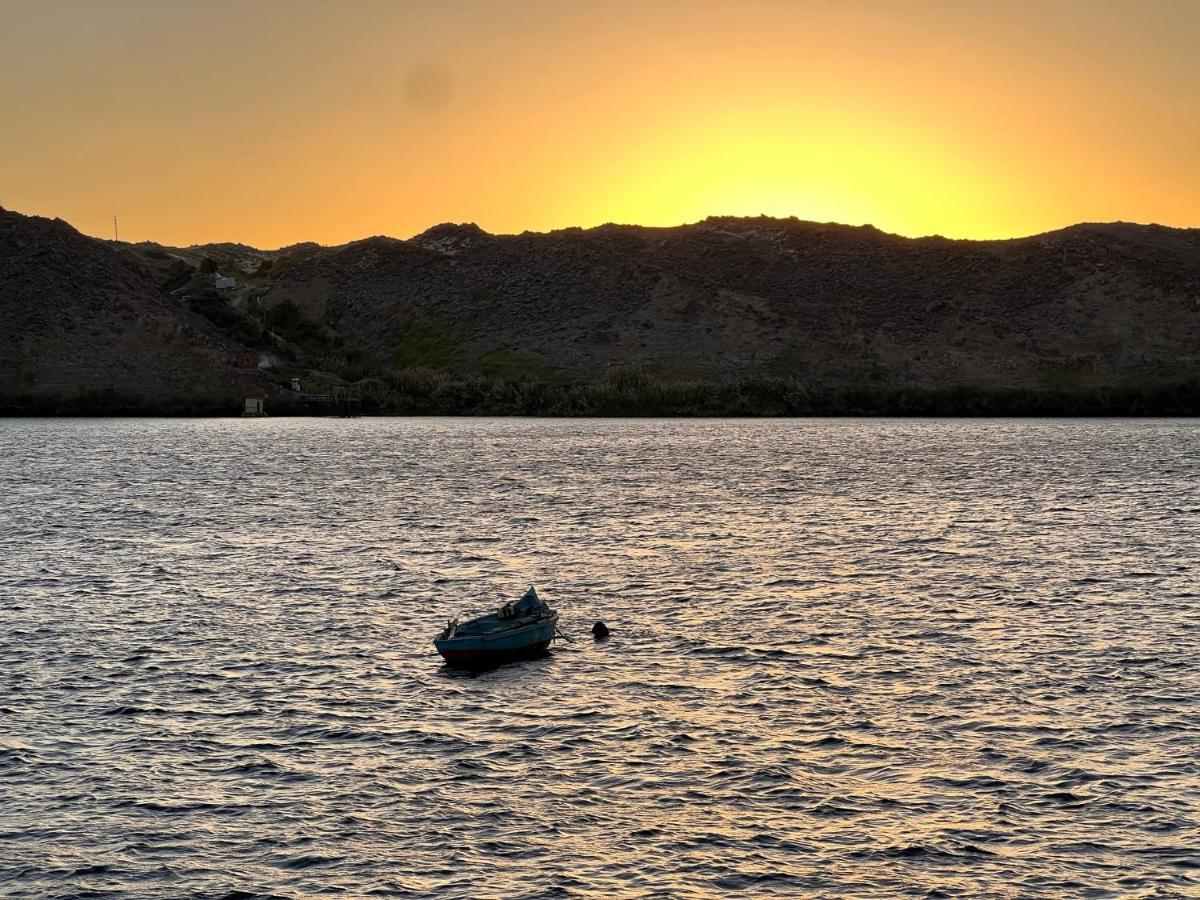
424, 394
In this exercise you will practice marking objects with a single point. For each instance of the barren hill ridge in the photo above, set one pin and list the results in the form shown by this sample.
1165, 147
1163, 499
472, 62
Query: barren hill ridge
1088, 311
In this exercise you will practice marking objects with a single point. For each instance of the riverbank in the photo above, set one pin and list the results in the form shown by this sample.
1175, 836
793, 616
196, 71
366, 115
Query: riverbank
426, 393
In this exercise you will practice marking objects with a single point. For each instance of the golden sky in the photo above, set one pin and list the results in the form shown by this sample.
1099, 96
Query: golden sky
276, 121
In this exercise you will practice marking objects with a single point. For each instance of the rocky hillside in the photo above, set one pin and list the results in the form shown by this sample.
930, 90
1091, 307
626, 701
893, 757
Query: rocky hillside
89, 328
730, 298
1093, 311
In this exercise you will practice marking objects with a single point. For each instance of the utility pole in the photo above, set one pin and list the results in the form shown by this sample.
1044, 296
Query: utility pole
116, 237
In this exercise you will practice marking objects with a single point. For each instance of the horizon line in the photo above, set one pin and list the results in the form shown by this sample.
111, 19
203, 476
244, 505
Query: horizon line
866, 226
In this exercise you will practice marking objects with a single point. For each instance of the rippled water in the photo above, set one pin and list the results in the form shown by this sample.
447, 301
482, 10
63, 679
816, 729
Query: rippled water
848, 657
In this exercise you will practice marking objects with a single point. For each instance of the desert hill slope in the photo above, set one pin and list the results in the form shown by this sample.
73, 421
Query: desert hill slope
1088, 306
516, 323
87, 327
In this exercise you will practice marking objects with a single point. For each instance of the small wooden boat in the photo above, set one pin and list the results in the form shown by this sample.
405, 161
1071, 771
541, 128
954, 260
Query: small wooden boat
515, 631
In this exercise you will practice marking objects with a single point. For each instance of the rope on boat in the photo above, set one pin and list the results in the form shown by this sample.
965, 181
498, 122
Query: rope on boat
558, 631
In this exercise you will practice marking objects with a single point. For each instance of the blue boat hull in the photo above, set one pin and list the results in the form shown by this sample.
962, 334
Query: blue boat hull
492, 647
487, 659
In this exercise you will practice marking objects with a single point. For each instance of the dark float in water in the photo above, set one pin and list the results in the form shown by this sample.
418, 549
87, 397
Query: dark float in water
518, 630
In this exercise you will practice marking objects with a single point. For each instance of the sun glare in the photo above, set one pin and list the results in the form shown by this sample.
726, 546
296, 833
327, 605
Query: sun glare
918, 118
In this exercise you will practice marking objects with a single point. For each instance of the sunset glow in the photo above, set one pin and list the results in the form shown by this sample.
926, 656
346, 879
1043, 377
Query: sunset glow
273, 122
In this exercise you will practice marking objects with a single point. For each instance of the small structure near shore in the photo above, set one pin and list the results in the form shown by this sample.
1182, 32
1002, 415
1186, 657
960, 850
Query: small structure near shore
246, 359
254, 408
343, 401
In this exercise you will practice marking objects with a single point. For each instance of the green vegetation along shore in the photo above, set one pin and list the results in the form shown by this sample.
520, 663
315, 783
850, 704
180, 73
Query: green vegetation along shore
423, 392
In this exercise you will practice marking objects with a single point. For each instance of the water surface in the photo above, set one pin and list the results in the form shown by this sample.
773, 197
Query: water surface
879, 658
